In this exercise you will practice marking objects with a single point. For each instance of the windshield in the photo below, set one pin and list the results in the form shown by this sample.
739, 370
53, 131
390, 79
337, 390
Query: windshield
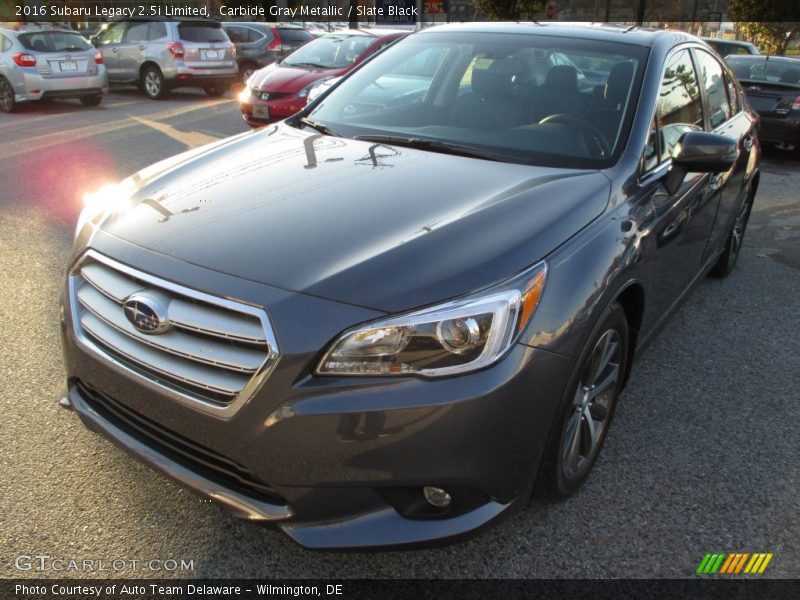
765, 69
531, 99
54, 41
330, 52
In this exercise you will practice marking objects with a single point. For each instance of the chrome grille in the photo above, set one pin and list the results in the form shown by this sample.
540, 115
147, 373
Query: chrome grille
213, 355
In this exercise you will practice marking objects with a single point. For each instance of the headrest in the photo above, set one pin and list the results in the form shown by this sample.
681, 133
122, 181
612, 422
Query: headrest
564, 77
498, 80
618, 82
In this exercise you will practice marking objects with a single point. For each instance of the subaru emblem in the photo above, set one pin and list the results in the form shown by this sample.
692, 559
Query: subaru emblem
146, 313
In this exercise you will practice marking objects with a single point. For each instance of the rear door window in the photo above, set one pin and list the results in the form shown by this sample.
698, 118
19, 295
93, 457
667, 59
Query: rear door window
112, 35
238, 35
157, 31
713, 82
202, 32
137, 32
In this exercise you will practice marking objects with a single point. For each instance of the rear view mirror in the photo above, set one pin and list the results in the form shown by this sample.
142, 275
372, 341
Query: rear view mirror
700, 152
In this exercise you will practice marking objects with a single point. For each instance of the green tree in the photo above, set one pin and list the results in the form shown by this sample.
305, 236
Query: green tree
509, 10
765, 21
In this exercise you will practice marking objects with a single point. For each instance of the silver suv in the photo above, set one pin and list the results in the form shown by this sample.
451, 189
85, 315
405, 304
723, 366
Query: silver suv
161, 55
48, 62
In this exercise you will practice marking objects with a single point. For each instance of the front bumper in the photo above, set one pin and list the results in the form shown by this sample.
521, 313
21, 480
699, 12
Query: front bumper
30, 85
279, 109
345, 453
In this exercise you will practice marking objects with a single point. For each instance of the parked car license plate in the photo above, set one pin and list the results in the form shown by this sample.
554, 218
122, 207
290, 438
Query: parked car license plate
68, 65
261, 112
211, 54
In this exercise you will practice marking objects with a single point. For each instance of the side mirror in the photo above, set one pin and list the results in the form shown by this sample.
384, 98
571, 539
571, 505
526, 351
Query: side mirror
700, 152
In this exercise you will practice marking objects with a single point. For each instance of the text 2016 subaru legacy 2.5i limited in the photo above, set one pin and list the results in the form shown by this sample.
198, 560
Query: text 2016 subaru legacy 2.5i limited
391, 318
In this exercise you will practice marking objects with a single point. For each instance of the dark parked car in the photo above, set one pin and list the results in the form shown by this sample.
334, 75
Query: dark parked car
260, 44
433, 306
731, 47
281, 89
772, 85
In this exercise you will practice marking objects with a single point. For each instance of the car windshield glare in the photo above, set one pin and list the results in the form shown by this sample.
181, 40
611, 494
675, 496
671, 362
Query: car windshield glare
534, 99
330, 52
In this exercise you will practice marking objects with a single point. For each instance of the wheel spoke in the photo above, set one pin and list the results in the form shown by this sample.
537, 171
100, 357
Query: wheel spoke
605, 383
590, 427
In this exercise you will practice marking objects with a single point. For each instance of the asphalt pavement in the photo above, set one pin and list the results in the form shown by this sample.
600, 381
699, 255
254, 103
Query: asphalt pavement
702, 455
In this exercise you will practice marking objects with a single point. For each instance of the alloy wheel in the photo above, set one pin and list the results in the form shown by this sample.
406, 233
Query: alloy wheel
592, 404
737, 234
152, 83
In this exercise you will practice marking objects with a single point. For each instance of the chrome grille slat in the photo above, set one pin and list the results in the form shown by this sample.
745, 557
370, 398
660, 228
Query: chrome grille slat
213, 358
174, 367
112, 284
214, 322
206, 351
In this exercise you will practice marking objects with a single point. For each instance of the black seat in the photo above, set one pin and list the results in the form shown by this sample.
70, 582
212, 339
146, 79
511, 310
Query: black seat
492, 104
606, 114
559, 94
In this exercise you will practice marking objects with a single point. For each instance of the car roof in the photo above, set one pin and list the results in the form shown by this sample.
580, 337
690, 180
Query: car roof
35, 27
639, 36
373, 32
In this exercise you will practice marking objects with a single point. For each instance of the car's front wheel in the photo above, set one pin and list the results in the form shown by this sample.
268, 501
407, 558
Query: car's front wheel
152, 83
7, 101
727, 260
586, 410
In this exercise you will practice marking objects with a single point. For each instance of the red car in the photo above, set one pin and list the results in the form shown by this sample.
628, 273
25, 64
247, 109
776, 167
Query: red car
281, 89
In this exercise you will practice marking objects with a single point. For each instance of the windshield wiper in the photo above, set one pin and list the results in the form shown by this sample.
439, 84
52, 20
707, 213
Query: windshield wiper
321, 127
305, 64
438, 146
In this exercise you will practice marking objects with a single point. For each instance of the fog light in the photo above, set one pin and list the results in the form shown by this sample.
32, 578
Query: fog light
436, 496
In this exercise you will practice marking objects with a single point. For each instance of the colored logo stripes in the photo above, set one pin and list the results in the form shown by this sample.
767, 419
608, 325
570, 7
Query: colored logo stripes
733, 563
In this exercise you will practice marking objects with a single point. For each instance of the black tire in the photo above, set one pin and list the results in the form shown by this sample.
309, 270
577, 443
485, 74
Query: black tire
246, 70
8, 102
581, 407
152, 83
215, 90
91, 100
733, 245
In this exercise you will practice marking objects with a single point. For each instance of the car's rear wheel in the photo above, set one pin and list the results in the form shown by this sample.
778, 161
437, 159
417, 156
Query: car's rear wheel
586, 410
727, 260
215, 90
7, 101
91, 100
152, 83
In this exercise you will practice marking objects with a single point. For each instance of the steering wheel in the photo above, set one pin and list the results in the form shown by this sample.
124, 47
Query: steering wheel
586, 128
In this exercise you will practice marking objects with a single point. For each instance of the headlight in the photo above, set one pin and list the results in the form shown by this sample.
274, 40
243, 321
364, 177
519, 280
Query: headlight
447, 339
246, 92
103, 201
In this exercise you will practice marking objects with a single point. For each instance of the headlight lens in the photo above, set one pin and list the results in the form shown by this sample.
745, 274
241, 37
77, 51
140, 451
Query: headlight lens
103, 201
447, 339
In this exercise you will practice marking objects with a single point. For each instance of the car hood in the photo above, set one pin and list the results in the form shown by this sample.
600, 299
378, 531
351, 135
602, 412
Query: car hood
277, 78
374, 225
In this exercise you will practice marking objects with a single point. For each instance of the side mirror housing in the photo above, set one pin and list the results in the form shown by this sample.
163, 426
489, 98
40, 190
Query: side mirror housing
700, 152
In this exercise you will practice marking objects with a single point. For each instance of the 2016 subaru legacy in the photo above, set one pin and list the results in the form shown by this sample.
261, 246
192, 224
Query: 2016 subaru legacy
433, 305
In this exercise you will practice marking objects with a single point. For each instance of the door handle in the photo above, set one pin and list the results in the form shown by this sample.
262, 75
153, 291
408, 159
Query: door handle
715, 182
142, 47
